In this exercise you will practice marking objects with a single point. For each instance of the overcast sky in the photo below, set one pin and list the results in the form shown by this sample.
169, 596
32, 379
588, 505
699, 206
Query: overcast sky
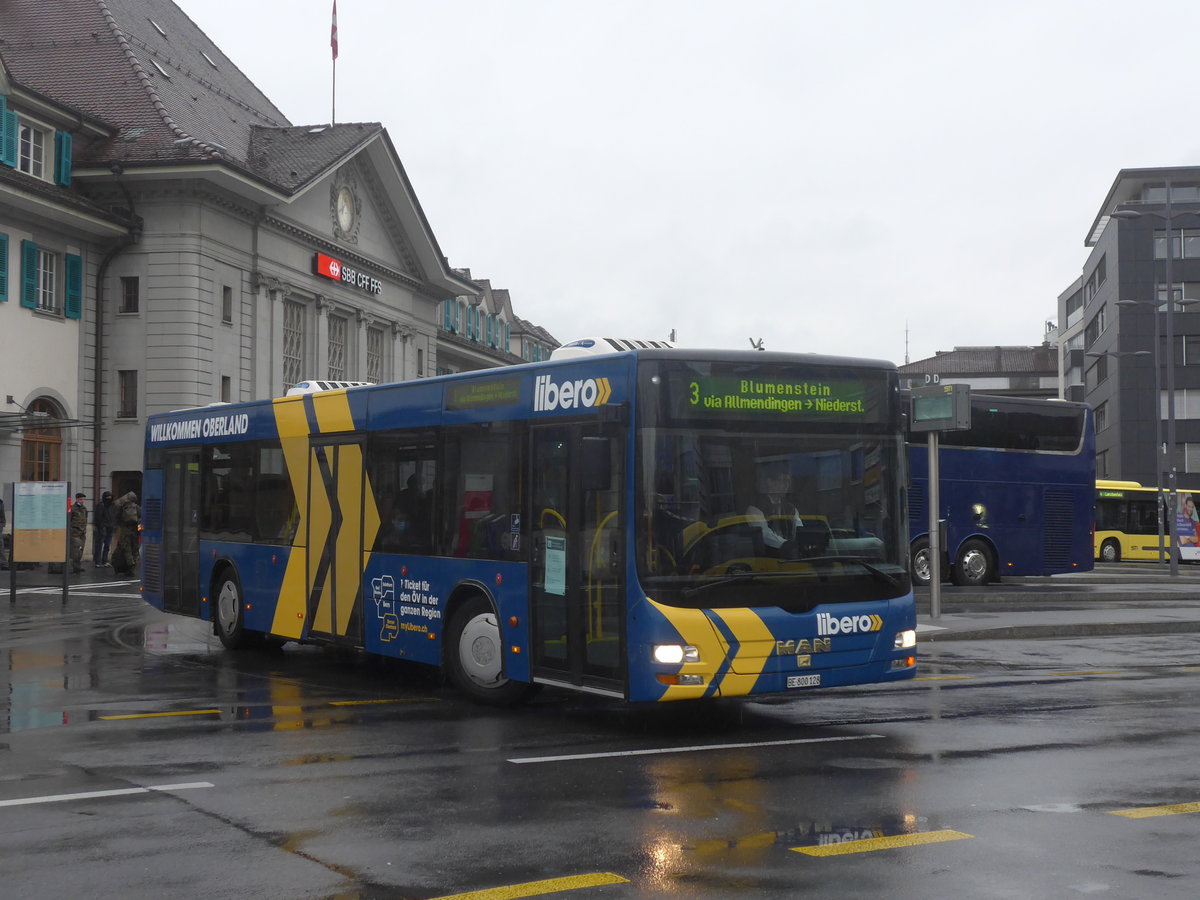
825, 176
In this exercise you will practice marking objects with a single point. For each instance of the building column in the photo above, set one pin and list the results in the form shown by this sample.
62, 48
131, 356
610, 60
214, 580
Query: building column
321, 356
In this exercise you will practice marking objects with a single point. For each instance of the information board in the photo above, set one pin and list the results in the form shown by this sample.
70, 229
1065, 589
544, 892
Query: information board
40, 521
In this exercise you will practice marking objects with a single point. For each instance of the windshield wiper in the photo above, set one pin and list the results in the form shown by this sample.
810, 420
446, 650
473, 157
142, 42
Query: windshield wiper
733, 577
885, 577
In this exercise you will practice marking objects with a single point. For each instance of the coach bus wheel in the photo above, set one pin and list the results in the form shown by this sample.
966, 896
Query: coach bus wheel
922, 564
475, 656
974, 565
1110, 551
231, 614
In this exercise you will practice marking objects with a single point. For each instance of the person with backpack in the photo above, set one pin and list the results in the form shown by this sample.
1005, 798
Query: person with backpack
125, 554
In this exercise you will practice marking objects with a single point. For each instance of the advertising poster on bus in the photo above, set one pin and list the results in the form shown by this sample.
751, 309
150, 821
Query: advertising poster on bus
1187, 527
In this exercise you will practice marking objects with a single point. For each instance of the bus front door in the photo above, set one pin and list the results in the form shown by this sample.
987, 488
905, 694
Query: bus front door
577, 595
181, 532
335, 540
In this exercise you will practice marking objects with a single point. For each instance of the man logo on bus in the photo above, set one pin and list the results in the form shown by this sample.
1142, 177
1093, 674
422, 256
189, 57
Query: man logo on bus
586, 392
827, 624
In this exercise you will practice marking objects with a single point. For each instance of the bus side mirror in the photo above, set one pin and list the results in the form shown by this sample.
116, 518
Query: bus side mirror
596, 459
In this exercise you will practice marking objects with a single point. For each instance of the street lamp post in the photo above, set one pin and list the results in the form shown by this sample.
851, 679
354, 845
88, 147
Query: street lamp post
1158, 441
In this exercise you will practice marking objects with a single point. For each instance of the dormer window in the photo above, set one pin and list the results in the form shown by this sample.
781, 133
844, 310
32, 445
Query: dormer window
157, 27
161, 71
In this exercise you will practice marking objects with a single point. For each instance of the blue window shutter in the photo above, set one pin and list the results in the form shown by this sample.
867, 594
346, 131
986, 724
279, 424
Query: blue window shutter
8, 135
507, 337
447, 314
3, 267
62, 158
29, 274
73, 305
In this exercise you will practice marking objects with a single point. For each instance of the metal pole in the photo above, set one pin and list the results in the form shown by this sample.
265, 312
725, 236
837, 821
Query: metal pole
935, 536
1170, 460
1158, 444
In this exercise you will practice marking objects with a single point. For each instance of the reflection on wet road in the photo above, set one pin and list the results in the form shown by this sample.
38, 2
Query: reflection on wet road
141, 760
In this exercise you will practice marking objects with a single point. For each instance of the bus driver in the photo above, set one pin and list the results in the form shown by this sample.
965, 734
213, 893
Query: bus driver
773, 510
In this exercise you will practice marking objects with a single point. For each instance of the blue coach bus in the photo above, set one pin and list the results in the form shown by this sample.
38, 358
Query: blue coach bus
1017, 492
588, 523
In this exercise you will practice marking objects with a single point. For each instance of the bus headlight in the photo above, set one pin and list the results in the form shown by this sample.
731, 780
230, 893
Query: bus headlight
904, 640
673, 654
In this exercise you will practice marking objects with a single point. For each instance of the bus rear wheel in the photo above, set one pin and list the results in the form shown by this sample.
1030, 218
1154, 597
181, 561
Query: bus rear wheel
475, 656
922, 562
1110, 551
975, 565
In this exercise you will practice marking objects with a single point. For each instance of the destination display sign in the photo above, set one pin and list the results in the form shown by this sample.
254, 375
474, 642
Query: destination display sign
480, 394
772, 393
717, 394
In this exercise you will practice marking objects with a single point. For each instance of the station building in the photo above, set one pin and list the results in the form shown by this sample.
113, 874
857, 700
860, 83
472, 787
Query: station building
169, 239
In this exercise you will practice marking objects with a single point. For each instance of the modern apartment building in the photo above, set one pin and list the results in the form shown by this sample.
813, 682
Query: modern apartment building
1123, 347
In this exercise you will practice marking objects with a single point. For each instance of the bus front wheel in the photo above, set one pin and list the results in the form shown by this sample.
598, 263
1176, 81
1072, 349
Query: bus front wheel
231, 613
475, 656
974, 565
1110, 551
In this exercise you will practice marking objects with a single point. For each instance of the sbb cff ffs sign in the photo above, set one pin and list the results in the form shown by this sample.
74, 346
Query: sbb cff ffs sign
337, 270
945, 407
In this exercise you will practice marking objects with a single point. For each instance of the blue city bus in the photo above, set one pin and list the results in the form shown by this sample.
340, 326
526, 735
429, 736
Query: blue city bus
1017, 492
584, 523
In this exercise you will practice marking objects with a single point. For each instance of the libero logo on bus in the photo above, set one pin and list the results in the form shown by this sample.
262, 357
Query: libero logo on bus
580, 393
827, 624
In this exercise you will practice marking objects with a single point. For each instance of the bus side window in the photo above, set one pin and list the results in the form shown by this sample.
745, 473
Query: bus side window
482, 492
402, 469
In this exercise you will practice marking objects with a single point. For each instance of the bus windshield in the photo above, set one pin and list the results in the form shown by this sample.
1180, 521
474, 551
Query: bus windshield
767, 509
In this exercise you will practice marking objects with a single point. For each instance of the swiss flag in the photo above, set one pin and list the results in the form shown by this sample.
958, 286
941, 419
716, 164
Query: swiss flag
333, 31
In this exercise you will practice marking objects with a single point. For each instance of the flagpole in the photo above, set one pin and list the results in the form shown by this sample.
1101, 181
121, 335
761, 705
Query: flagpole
334, 48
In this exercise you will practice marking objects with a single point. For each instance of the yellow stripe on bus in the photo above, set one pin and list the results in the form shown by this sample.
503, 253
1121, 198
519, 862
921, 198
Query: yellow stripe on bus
333, 411
291, 604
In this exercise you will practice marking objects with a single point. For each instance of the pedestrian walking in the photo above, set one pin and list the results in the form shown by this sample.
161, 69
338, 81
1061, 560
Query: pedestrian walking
125, 553
79, 524
104, 524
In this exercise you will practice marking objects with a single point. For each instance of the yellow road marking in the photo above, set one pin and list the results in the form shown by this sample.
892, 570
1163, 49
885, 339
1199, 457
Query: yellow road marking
374, 702
1148, 812
943, 677
186, 712
537, 888
883, 843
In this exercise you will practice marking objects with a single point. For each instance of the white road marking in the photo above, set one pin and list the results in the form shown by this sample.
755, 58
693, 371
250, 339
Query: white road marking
520, 761
92, 795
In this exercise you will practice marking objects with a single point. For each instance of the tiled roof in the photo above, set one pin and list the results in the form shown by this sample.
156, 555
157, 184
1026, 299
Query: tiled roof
291, 157
987, 361
150, 71
63, 196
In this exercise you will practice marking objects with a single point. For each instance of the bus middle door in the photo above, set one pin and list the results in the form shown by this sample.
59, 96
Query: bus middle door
181, 532
335, 539
576, 590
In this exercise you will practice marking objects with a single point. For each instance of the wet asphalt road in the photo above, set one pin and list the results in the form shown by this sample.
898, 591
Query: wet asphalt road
141, 760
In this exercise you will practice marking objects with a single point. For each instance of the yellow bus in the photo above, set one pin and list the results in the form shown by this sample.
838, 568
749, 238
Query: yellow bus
1127, 522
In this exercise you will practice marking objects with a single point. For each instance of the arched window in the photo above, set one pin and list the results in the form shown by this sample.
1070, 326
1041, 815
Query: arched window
41, 448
